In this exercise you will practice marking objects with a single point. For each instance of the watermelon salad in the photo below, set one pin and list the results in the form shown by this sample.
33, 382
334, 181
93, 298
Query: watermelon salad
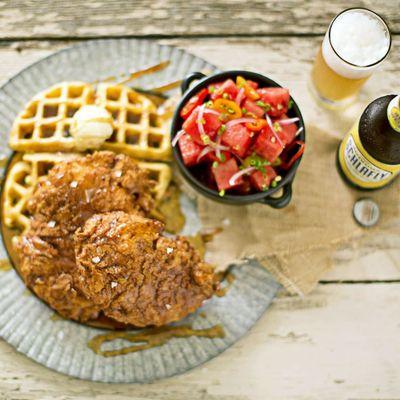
236, 137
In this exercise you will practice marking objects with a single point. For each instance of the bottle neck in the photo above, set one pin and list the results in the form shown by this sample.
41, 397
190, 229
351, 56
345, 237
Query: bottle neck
393, 113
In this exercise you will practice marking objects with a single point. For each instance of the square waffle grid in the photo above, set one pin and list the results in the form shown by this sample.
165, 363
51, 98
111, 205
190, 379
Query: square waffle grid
138, 130
25, 173
44, 125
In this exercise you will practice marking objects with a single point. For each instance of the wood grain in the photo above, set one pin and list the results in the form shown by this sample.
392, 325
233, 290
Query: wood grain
76, 18
341, 342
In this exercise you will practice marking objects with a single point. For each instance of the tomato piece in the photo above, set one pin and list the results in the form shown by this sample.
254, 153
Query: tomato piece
277, 98
252, 84
261, 180
228, 108
257, 125
267, 145
253, 108
228, 87
193, 102
211, 125
190, 150
223, 172
250, 92
238, 138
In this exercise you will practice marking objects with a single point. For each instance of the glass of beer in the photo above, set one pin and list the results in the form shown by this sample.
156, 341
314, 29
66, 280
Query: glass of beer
357, 41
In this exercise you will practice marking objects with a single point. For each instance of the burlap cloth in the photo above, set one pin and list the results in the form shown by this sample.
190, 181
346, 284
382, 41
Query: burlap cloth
297, 243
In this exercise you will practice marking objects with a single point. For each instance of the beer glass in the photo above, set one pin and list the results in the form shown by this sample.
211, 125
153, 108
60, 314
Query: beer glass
357, 41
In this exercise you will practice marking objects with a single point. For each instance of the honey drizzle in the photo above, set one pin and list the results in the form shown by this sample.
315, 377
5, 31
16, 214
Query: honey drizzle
5, 265
135, 74
3, 161
229, 278
169, 210
151, 338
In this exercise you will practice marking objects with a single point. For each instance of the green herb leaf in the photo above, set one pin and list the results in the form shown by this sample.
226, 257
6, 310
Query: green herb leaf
221, 130
215, 164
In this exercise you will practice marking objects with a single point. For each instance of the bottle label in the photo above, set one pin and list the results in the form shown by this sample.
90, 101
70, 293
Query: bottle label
393, 113
361, 168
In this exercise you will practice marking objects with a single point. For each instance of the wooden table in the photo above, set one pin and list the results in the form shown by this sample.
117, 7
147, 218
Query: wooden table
340, 342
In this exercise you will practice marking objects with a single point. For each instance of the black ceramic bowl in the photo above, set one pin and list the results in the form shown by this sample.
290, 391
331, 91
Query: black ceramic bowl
262, 197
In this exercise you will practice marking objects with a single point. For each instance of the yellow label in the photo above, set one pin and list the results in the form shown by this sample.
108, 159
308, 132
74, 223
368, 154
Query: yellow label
359, 167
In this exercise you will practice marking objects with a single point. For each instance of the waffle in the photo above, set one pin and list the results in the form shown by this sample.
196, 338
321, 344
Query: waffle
45, 122
20, 182
138, 130
29, 169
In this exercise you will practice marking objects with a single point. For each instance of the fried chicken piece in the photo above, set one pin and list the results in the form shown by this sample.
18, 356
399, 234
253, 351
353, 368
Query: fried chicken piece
73, 192
77, 189
136, 275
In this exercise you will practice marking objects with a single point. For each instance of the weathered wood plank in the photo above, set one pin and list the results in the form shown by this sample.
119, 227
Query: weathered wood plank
272, 56
75, 18
325, 346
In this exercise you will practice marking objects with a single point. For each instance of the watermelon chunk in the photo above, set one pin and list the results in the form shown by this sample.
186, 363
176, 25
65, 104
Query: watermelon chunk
277, 98
252, 84
211, 125
223, 172
287, 132
238, 138
229, 87
190, 150
261, 180
267, 145
252, 107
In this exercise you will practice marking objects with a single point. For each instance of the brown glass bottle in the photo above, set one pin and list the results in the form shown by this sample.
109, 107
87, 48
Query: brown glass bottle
369, 156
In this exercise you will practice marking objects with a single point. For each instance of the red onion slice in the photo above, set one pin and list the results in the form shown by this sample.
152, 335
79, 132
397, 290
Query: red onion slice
235, 177
239, 97
234, 122
176, 138
288, 121
200, 119
301, 129
205, 151
209, 111
270, 124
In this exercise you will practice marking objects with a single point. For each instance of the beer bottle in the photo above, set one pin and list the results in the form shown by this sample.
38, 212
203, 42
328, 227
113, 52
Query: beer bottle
369, 155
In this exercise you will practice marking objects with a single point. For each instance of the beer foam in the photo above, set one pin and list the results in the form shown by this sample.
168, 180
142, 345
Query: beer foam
355, 43
360, 37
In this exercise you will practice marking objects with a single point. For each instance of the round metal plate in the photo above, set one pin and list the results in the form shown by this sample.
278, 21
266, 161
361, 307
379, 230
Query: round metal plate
28, 324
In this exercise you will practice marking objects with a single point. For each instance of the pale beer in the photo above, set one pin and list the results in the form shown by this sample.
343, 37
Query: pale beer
357, 41
369, 156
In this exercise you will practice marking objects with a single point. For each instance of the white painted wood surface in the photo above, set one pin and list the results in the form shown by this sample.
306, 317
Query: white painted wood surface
340, 342
76, 18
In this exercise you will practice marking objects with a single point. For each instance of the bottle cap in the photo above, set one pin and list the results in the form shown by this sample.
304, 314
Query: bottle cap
366, 212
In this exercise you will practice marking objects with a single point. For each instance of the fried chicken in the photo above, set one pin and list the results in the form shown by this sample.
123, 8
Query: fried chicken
138, 276
91, 251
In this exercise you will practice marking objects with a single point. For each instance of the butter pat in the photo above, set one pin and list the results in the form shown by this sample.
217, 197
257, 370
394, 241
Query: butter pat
91, 127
